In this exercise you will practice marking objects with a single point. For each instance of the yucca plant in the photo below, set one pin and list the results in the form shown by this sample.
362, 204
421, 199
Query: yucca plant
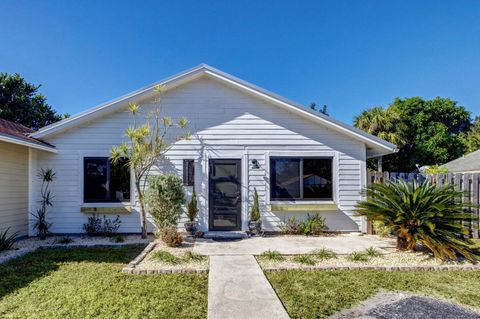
422, 213
40, 223
6, 241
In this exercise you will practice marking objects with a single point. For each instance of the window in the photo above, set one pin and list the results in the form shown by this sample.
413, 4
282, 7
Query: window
104, 181
188, 172
300, 178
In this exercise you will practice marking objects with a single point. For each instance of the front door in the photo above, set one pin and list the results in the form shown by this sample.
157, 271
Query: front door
225, 196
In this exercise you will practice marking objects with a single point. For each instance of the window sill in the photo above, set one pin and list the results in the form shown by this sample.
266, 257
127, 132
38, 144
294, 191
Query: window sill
303, 206
106, 208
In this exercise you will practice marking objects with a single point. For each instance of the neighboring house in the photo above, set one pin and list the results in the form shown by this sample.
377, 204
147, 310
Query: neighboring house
15, 149
469, 163
244, 138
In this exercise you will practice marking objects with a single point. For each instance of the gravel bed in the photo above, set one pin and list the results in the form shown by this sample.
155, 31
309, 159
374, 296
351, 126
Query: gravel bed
150, 265
391, 261
28, 245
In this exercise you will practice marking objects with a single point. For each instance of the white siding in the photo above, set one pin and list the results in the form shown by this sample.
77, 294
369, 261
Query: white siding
225, 123
14, 188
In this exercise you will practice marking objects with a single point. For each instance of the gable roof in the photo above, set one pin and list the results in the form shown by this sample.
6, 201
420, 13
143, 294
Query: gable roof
465, 164
375, 145
18, 134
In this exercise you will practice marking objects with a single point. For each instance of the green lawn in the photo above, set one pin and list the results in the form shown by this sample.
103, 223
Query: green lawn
318, 294
87, 283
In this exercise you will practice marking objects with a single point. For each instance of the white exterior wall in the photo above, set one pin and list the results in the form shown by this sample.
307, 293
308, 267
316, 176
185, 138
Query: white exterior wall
225, 124
14, 188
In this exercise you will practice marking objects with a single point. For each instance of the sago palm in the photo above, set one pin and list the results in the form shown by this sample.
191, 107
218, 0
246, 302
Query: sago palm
422, 213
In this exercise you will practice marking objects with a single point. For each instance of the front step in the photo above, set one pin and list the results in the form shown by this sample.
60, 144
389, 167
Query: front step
225, 235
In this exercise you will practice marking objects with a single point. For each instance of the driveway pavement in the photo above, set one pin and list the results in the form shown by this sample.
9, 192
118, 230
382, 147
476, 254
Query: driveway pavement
403, 305
292, 245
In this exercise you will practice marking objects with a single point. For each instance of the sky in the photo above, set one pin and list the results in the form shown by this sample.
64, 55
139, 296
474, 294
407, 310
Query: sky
348, 55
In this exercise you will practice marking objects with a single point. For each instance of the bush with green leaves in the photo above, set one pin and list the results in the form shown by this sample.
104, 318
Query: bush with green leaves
290, 226
164, 197
40, 223
422, 213
7, 240
97, 226
312, 225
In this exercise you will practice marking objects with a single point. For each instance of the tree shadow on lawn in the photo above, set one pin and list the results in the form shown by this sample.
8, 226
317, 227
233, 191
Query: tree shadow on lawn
20, 272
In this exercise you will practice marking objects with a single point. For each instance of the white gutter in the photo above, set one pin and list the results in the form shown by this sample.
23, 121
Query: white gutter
18, 141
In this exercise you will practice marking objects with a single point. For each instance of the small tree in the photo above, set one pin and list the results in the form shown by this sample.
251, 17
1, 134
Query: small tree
255, 213
192, 208
146, 145
164, 197
41, 225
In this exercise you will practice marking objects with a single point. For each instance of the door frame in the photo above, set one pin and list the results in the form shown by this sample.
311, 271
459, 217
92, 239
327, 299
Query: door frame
211, 161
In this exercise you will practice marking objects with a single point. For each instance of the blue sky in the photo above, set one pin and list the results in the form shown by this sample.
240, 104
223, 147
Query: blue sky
348, 55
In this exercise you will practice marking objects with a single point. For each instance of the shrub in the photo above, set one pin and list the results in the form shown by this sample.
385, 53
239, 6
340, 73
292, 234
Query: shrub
255, 213
164, 197
166, 257
422, 214
95, 226
324, 253
40, 224
171, 236
6, 241
192, 209
380, 229
272, 255
64, 240
304, 259
313, 225
290, 226
191, 256
358, 257
118, 239
372, 252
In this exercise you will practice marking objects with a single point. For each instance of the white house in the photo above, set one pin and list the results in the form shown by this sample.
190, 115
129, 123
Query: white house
244, 138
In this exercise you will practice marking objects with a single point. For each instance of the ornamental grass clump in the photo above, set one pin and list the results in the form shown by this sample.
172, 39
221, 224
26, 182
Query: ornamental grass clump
422, 213
272, 255
324, 253
304, 260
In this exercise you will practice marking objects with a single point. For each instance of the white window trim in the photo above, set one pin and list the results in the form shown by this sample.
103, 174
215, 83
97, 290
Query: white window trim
295, 154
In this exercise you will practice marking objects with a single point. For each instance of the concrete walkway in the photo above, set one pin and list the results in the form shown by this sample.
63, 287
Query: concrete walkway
237, 288
292, 245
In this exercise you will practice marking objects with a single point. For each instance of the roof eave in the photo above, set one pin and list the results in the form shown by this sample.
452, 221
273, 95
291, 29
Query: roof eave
17, 141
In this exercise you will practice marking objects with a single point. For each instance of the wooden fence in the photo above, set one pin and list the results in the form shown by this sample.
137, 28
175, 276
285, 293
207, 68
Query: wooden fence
469, 183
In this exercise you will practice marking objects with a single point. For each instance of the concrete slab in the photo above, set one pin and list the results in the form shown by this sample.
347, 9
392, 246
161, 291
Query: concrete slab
293, 245
237, 288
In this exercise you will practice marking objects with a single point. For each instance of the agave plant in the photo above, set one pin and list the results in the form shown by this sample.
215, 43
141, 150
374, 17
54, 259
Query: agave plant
421, 213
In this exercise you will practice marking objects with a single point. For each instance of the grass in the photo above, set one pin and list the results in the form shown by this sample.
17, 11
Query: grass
324, 253
88, 283
166, 257
373, 252
272, 255
304, 260
191, 256
358, 257
319, 294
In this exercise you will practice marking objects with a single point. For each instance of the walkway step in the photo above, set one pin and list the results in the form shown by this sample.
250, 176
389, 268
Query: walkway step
238, 288
225, 235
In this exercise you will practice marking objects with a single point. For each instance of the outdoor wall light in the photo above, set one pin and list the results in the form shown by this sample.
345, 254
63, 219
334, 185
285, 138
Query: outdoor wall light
255, 164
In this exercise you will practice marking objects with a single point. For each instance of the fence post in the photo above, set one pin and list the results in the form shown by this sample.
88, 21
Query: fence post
476, 202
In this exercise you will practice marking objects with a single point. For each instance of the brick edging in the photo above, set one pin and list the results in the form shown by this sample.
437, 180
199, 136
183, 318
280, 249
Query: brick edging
386, 268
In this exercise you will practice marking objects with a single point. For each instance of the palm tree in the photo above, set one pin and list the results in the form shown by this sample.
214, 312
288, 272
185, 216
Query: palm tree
422, 214
382, 123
